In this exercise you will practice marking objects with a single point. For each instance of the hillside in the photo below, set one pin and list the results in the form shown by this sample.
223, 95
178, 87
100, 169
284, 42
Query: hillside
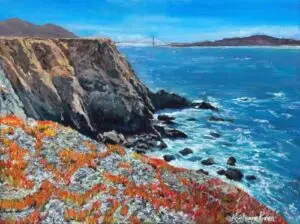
53, 174
255, 40
19, 28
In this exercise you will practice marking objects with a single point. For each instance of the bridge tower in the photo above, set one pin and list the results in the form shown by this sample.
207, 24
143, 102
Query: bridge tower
153, 42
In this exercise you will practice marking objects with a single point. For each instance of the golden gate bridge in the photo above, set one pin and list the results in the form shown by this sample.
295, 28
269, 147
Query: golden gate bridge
154, 42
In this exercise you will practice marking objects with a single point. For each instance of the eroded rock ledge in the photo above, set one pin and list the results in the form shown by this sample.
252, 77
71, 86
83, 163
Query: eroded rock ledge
53, 174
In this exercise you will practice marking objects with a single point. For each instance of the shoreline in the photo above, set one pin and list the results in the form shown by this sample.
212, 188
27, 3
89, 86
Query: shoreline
283, 47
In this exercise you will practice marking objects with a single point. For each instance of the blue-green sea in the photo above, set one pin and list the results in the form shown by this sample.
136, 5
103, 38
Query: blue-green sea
259, 88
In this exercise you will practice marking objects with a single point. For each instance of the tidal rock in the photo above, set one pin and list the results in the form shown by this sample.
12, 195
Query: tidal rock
162, 145
191, 119
164, 100
202, 171
111, 137
215, 135
186, 151
234, 174
251, 177
129, 142
231, 161
208, 162
160, 129
169, 158
169, 122
221, 172
140, 151
219, 119
174, 134
142, 146
204, 106
165, 118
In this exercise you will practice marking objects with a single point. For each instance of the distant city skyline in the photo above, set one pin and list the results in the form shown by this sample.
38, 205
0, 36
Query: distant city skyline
168, 20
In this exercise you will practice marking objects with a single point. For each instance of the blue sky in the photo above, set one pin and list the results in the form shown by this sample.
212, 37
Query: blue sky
169, 20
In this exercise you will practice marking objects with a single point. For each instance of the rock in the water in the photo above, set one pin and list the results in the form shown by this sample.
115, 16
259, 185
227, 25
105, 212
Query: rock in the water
173, 134
142, 146
208, 162
140, 151
221, 172
186, 151
191, 119
111, 137
169, 158
234, 174
215, 135
231, 161
162, 145
169, 122
129, 142
165, 118
219, 119
251, 177
164, 100
204, 106
202, 171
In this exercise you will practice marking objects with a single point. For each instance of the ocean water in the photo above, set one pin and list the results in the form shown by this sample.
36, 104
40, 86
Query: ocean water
259, 88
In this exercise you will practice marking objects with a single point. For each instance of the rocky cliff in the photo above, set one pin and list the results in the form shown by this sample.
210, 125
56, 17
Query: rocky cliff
83, 83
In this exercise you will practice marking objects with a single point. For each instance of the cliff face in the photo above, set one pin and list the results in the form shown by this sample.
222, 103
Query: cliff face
84, 83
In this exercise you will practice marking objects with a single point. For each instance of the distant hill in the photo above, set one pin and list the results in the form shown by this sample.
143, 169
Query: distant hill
17, 27
255, 40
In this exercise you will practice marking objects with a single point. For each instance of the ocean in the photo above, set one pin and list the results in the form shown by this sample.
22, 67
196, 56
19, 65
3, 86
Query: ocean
259, 88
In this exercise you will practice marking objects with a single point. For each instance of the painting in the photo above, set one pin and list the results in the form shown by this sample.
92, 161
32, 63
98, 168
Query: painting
150, 111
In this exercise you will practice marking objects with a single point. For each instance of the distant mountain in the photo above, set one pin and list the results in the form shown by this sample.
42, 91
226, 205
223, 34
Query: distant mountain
255, 40
17, 27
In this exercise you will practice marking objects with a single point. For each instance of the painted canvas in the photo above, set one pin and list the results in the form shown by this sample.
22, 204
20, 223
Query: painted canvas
150, 111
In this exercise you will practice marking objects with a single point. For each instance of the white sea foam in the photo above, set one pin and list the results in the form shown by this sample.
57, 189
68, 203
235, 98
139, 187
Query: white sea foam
245, 99
278, 95
242, 59
287, 115
273, 113
262, 121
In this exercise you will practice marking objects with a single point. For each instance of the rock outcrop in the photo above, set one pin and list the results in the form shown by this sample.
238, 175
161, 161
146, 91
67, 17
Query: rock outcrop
53, 174
83, 83
165, 100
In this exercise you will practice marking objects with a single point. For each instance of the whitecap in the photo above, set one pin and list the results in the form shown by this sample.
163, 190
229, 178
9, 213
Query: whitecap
273, 113
242, 59
262, 121
293, 106
278, 95
286, 115
245, 99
